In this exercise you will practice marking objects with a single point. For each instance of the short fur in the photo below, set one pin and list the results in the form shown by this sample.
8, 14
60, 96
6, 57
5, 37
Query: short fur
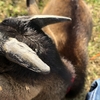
19, 83
71, 38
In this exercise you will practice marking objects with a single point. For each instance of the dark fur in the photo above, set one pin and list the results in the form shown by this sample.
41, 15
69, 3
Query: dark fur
71, 38
19, 83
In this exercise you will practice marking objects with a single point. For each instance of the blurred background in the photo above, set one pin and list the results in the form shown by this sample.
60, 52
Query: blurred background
18, 7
